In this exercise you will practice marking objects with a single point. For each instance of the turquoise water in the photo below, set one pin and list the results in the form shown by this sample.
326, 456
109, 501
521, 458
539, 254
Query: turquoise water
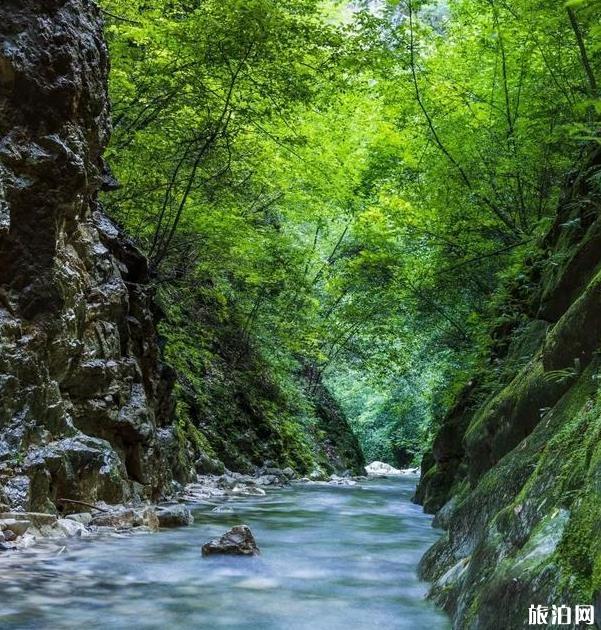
333, 558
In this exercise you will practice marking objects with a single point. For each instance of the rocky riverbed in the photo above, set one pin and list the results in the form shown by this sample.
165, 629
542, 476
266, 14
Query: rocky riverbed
23, 530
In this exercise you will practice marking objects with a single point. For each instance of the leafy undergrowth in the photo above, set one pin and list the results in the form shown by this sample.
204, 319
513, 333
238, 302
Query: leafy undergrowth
237, 406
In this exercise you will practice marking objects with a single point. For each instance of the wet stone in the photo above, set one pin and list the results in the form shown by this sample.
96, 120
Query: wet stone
174, 516
238, 541
17, 526
71, 528
81, 517
38, 519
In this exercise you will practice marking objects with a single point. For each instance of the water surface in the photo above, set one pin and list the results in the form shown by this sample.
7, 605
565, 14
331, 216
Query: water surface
333, 558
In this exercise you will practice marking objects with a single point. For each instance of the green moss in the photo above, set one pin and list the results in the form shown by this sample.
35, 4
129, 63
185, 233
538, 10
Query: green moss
186, 429
297, 453
579, 553
578, 481
239, 406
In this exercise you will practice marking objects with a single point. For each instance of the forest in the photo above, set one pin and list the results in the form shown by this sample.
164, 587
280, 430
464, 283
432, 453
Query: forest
322, 274
343, 191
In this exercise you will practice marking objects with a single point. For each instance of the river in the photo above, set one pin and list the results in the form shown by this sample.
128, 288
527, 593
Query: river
333, 558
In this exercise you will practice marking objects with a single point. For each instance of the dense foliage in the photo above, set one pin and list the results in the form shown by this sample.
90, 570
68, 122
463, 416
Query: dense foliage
340, 192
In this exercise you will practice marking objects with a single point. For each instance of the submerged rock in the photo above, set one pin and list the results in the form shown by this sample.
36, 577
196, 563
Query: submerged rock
239, 541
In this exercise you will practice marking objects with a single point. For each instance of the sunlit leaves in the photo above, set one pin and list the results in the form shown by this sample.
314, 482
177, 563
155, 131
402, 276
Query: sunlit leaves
344, 185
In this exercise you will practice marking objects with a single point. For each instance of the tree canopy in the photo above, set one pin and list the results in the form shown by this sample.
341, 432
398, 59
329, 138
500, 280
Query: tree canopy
348, 189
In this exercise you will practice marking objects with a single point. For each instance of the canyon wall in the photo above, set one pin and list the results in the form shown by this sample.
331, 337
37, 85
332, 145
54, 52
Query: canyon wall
88, 409
85, 402
514, 475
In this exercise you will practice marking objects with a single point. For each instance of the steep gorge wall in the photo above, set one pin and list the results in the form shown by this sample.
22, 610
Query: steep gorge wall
83, 394
514, 475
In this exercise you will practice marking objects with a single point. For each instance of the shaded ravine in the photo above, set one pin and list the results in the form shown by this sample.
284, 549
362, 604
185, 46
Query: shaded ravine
333, 557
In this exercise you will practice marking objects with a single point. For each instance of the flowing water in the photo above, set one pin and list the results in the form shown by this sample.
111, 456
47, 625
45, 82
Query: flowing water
333, 558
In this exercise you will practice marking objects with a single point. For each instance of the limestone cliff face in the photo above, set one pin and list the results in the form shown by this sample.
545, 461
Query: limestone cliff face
83, 394
515, 471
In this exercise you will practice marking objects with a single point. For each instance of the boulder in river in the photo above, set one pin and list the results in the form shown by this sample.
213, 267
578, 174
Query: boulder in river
81, 517
238, 541
289, 473
71, 528
14, 525
174, 516
127, 518
270, 480
381, 468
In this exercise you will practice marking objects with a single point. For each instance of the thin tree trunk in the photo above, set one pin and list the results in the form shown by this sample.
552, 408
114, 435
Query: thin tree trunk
586, 64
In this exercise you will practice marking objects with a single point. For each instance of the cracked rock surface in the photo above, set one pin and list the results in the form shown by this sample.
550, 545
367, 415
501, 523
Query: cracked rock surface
85, 402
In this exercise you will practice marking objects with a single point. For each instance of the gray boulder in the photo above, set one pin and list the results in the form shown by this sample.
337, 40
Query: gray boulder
71, 528
16, 526
239, 541
175, 516
289, 473
269, 480
317, 475
81, 517
127, 518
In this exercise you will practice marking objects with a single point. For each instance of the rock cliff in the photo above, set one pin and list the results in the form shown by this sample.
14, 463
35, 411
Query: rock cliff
83, 395
514, 475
